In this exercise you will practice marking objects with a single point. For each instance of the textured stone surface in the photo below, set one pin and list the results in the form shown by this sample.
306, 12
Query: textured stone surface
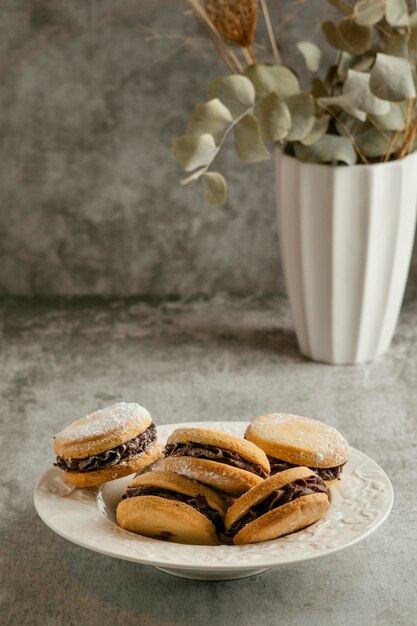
207, 360
89, 195
90, 201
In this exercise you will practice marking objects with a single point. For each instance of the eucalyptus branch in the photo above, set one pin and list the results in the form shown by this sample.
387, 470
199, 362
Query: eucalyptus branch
221, 143
375, 80
247, 56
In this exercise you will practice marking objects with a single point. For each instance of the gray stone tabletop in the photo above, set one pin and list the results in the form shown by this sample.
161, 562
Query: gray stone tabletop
220, 359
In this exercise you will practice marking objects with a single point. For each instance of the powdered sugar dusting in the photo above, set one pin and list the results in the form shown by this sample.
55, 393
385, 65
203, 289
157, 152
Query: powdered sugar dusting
306, 439
278, 418
186, 467
118, 417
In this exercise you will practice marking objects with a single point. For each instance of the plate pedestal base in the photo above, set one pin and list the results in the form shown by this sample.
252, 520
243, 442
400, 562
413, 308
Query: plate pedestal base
211, 575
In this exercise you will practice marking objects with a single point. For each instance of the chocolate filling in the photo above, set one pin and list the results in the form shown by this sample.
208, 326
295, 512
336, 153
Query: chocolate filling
109, 458
197, 502
287, 493
213, 453
326, 473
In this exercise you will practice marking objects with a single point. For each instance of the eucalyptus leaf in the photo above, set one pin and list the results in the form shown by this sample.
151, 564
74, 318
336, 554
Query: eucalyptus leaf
393, 120
274, 118
357, 89
357, 98
302, 111
348, 36
344, 103
210, 117
236, 92
398, 44
273, 79
193, 151
311, 53
396, 12
215, 188
345, 62
248, 142
348, 61
328, 149
392, 78
375, 144
369, 12
320, 127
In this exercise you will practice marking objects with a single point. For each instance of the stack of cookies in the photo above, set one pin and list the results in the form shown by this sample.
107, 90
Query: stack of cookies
207, 486
110, 443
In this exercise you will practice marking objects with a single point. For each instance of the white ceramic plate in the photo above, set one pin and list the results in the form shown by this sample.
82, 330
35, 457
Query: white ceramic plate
360, 502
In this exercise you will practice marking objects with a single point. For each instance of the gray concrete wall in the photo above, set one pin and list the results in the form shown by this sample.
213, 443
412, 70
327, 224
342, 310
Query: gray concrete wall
89, 200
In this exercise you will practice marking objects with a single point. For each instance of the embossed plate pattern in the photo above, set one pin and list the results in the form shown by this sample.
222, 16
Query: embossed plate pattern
361, 502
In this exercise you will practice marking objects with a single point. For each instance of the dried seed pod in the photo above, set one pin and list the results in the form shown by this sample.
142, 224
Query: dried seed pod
234, 20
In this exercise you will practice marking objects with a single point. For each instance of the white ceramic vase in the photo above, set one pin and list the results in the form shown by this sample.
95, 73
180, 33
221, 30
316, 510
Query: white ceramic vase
346, 237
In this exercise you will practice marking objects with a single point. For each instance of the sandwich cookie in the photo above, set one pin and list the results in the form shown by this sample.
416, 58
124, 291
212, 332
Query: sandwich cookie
112, 442
222, 461
282, 504
292, 440
166, 506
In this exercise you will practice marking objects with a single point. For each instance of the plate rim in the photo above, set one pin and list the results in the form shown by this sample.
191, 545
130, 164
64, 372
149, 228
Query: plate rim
207, 567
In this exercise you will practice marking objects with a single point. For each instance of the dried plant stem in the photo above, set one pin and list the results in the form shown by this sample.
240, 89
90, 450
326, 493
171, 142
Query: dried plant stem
397, 134
181, 41
281, 32
235, 59
217, 46
252, 54
225, 52
391, 146
384, 32
270, 30
408, 144
386, 136
412, 137
408, 115
247, 56
409, 133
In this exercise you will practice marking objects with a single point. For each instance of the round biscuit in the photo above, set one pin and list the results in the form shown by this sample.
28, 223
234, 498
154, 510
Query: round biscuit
218, 438
220, 476
102, 430
180, 484
285, 519
169, 520
257, 494
298, 440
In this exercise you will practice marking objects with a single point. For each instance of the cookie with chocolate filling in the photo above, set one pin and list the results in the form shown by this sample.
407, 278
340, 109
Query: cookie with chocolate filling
222, 461
112, 442
166, 506
282, 504
291, 440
